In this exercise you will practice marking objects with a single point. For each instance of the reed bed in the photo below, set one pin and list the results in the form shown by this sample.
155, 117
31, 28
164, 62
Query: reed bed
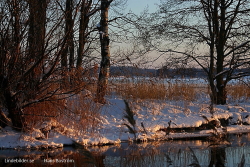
159, 89
238, 92
156, 89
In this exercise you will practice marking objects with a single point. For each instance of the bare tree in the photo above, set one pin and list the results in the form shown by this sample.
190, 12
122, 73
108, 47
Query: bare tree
80, 30
37, 22
33, 51
212, 33
31, 48
11, 55
84, 21
105, 52
68, 61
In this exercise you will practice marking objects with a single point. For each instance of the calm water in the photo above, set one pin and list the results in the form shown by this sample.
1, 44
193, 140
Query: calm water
154, 154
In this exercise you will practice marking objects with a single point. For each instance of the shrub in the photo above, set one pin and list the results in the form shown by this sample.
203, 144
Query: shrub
78, 112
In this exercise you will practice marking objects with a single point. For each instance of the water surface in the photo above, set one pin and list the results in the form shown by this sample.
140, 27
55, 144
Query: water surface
179, 153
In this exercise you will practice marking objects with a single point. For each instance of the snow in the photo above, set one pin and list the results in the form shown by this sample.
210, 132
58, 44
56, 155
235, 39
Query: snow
15, 140
153, 114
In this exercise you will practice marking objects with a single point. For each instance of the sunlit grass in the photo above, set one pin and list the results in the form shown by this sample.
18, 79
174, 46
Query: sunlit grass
156, 89
145, 89
181, 91
152, 88
238, 92
79, 113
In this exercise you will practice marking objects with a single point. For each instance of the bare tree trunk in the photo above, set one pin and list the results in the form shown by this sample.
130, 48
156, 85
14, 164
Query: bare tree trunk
84, 21
15, 112
68, 61
36, 40
67, 57
71, 48
105, 53
219, 23
37, 21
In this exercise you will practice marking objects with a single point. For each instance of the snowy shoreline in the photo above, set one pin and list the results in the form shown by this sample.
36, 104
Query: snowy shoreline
17, 141
153, 114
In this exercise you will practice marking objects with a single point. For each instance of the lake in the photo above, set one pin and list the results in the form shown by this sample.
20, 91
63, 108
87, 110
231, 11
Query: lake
178, 153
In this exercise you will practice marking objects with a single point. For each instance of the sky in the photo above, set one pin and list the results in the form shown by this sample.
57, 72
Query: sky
137, 6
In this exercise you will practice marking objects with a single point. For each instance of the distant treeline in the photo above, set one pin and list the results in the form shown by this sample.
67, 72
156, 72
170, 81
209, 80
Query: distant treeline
128, 71
163, 72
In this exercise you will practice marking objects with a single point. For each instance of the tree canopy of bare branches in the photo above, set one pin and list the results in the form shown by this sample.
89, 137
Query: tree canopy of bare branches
46, 52
211, 33
38, 61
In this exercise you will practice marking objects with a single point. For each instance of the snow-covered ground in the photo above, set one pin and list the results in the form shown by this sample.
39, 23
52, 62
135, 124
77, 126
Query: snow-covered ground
152, 114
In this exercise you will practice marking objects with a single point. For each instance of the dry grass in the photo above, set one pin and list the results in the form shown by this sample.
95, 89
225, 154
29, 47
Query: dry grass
181, 91
78, 112
156, 89
238, 92
84, 113
142, 90
39, 112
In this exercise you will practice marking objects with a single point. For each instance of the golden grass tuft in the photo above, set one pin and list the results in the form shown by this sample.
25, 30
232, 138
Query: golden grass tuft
65, 102
141, 90
39, 112
239, 91
181, 91
156, 89
78, 112
85, 114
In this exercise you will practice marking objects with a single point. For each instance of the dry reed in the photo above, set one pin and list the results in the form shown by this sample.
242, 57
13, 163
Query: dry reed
238, 92
181, 91
155, 89
78, 112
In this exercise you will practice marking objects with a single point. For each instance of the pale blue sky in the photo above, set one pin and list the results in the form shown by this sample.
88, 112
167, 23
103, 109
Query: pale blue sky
137, 6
